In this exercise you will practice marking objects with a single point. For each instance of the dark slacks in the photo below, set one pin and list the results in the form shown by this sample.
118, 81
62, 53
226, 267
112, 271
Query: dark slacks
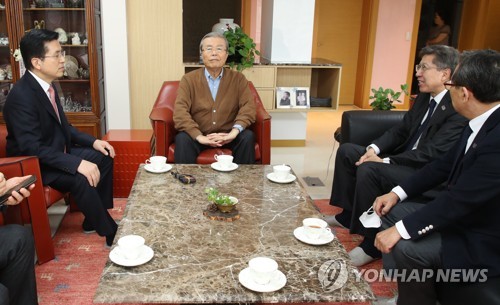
92, 201
243, 148
413, 256
17, 266
356, 187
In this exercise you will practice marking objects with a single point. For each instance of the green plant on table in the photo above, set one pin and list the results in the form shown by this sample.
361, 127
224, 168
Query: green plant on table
213, 195
383, 99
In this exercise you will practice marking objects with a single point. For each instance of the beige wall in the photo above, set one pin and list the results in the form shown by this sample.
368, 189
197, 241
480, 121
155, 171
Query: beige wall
336, 37
155, 52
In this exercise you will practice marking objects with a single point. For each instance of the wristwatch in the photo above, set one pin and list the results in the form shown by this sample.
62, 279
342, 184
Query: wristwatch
239, 127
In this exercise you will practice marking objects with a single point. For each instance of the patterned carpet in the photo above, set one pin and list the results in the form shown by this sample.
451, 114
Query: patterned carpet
73, 276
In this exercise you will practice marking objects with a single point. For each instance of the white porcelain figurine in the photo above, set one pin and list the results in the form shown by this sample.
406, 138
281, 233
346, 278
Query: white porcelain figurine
76, 40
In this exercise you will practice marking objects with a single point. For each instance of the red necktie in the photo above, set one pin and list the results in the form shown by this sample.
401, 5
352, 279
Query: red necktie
52, 95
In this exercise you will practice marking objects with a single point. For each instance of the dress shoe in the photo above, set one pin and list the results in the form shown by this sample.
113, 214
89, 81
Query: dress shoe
87, 227
332, 221
359, 257
109, 240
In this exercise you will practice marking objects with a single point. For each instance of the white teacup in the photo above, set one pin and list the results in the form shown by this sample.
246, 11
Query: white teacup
131, 246
314, 228
262, 269
281, 172
224, 161
157, 162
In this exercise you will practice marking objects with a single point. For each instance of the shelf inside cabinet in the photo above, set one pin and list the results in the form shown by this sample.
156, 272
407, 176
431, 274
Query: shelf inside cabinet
65, 80
74, 45
54, 9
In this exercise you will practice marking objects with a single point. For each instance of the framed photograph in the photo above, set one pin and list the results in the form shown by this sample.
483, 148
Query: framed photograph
285, 97
302, 99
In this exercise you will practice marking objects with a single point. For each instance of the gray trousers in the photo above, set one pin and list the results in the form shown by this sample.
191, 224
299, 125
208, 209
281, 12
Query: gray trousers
409, 256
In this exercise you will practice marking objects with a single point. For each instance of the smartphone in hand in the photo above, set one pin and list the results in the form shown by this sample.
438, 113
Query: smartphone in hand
24, 184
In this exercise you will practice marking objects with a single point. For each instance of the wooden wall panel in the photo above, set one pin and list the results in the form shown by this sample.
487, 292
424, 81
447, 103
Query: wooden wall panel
155, 53
366, 52
336, 37
473, 29
492, 39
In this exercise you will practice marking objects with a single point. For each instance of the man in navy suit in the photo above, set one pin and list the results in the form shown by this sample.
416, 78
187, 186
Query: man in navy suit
17, 252
427, 131
460, 228
70, 160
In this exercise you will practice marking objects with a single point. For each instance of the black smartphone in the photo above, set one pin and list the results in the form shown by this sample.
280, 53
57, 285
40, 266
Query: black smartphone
27, 182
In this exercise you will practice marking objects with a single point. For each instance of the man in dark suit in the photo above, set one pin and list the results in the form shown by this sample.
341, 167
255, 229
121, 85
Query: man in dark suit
17, 253
70, 160
427, 131
460, 228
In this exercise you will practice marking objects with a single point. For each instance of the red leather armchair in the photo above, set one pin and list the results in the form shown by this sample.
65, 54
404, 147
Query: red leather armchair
32, 210
164, 132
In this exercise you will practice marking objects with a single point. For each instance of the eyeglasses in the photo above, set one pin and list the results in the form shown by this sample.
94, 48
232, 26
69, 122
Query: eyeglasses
58, 56
423, 67
450, 84
216, 50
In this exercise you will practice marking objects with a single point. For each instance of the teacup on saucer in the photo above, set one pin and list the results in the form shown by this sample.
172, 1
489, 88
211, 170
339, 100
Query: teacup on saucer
289, 178
262, 269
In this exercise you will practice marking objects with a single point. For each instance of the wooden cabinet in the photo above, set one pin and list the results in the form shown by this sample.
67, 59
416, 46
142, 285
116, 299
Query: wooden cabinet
322, 77
81, 90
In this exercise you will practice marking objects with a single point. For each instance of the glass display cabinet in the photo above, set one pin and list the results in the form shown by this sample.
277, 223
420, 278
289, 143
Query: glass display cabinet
78, 22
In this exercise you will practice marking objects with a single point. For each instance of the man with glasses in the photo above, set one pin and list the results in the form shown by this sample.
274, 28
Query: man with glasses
459, 228
426, 132
70, 160
214, 107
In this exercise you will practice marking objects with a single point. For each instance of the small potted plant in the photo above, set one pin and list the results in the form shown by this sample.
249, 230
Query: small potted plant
383, 98
242, 51
224, 203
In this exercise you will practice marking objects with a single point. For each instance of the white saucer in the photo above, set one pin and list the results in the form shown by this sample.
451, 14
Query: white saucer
117, 257
323, 240
165, 169
276, 283
273, 178
217, 167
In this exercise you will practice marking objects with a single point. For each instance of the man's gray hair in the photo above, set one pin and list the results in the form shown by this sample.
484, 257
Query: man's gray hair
213, 35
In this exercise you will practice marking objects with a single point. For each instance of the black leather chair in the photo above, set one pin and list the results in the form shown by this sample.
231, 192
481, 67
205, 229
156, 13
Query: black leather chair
363, 126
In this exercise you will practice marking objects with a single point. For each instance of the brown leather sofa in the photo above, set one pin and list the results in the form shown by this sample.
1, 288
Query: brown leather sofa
164, 132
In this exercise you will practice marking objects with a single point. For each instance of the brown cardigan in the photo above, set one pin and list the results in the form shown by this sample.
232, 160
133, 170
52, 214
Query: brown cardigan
195, 112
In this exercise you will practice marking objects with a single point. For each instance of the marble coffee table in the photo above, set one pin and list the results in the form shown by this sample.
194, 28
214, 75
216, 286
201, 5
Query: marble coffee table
198, 260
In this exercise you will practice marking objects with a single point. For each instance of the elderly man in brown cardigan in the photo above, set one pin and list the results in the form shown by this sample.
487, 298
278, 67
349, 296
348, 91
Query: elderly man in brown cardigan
214, 107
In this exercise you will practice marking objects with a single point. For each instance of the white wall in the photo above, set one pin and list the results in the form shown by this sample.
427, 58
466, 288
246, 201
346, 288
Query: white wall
289, 126
287, 30
114, 27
